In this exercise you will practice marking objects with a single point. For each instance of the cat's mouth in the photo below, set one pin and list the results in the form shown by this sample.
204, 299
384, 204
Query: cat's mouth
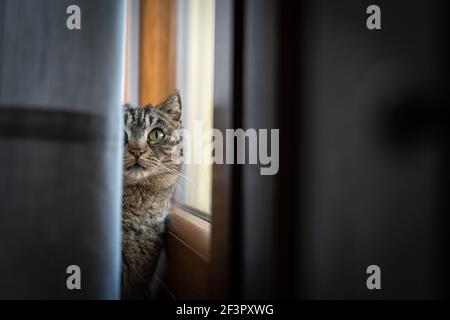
136, 166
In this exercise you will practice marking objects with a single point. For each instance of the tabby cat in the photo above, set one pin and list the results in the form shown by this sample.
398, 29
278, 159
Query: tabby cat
150, 173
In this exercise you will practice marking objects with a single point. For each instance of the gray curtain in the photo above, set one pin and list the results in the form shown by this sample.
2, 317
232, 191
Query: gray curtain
60, 148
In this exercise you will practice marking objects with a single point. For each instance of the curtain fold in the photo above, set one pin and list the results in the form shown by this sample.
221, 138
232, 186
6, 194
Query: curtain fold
61, 150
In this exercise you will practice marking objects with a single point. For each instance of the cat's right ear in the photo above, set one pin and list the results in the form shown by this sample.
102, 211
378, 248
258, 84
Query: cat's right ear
126, 108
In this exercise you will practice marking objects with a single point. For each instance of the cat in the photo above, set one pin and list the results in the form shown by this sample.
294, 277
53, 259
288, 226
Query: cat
150, 174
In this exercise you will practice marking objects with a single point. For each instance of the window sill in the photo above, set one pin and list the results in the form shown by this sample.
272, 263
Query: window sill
183, 268
192, 230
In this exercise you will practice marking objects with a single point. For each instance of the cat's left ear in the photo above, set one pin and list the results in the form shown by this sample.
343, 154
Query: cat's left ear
127, 107
171, 107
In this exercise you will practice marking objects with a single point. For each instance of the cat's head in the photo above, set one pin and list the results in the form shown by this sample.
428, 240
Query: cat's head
151, 138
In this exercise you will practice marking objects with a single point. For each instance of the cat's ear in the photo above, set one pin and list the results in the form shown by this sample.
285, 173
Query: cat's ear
171, 107
127, 107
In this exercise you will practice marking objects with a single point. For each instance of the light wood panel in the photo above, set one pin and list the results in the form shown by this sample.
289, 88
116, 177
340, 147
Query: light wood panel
157, 50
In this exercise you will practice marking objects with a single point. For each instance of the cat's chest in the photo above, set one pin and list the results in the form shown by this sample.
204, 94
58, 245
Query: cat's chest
144, 204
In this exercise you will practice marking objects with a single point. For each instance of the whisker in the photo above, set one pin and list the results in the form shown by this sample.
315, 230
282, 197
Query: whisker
179, 175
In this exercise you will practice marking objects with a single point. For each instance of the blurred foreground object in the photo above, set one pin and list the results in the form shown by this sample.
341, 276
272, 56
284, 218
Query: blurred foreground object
60, 164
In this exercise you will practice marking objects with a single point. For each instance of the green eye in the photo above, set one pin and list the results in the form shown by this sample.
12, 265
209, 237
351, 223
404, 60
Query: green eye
156, 135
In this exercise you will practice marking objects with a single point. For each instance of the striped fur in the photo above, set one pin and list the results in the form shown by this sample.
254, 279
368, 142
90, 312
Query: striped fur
148, 185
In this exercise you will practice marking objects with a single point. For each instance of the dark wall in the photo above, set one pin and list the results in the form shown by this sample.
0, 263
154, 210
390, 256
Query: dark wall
363, 118
376, 108
60, 150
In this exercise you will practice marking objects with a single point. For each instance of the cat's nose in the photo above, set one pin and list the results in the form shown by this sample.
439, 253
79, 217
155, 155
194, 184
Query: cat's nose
137, 152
